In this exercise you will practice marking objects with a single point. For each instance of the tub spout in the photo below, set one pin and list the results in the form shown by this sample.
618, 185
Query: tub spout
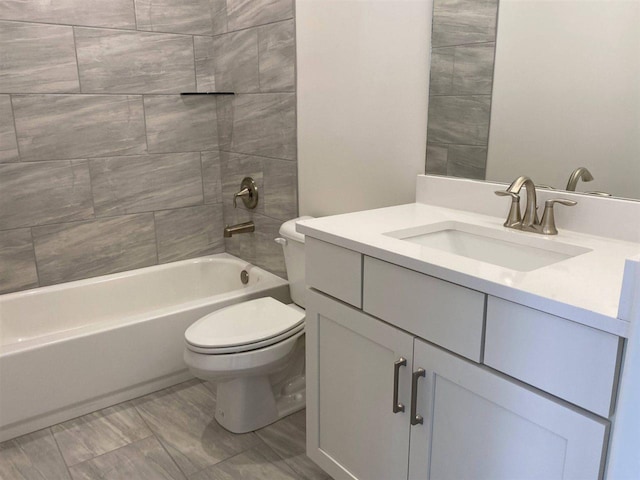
245, 227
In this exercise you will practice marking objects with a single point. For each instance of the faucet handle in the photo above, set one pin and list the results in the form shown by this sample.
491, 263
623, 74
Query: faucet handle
514, 219
548, 223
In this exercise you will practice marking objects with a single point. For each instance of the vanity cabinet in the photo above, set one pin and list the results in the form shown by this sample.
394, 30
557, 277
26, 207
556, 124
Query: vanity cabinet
365, 376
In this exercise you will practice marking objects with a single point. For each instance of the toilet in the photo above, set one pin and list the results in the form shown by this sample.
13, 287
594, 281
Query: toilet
254, 351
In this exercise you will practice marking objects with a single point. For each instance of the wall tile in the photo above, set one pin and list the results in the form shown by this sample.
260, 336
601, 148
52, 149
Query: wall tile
74, 126
181, 124
269, 254
459, 22
225, 113
441, 77
44, 192
436, 159
265, 125
113, 61
473, 72
8, 141
280, 189
276, 44
98, 13
17, 263
211, 177
249, 13
244, 245
460, 120
467, 161
194, 17
146, 183
235, 167
189, 232
37, 58
233, 58
77, 250
205, 64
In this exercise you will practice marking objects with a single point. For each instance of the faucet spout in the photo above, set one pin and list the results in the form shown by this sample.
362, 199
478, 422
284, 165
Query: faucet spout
580, 173
530, 219
246, 227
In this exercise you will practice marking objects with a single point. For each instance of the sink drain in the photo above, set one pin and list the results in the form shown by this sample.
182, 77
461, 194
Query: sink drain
244, 277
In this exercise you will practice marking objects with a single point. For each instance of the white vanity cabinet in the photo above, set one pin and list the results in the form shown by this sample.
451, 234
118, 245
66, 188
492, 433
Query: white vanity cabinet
365, 376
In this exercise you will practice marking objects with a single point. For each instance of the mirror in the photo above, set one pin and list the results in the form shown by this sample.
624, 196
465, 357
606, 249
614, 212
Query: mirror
555, 89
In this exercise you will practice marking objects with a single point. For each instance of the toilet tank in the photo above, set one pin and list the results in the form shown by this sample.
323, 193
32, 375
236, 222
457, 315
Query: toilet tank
293, 246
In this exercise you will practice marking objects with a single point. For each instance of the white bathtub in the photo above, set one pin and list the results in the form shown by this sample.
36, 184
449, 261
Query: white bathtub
70, 349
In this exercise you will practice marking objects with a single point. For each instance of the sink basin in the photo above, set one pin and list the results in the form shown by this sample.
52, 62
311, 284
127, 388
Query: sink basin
515, 250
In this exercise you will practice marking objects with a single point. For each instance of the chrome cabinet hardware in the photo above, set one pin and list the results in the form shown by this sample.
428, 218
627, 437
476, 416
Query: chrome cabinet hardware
401, 362
415, 418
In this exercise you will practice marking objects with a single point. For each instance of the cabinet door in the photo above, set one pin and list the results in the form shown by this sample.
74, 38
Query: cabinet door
480, 425
352, 430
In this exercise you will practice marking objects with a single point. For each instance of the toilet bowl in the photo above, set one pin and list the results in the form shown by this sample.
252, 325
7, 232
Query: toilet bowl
254, 351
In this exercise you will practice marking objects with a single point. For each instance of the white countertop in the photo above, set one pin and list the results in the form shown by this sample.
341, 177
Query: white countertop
585, 288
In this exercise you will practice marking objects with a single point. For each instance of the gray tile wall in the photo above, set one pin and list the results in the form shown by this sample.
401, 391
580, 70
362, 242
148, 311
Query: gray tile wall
104, 167
462, 57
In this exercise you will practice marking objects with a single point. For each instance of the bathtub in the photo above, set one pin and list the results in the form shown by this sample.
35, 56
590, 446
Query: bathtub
70, 349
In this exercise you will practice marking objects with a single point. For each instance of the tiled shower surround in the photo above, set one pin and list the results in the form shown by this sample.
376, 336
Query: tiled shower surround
104, 167
462, 58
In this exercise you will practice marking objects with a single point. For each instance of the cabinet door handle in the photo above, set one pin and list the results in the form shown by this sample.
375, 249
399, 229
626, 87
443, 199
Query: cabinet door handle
401, 362
415, 418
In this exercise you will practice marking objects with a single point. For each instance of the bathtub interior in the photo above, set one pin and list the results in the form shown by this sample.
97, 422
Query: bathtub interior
44, 311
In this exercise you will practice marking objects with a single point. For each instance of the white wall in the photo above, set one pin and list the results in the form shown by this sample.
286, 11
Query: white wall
363, 71
566, 93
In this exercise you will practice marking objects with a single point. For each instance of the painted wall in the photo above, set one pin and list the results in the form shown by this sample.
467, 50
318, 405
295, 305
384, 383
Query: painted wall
362, 102
104, 167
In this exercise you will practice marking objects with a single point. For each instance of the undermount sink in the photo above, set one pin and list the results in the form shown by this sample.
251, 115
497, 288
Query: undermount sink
514, 250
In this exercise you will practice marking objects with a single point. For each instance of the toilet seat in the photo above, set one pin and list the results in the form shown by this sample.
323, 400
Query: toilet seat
245, 326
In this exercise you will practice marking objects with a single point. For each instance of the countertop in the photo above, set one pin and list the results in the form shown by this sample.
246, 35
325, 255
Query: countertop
585, 289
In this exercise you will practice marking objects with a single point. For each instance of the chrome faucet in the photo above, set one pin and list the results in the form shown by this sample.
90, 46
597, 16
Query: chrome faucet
246, 227
530, 222
580, 173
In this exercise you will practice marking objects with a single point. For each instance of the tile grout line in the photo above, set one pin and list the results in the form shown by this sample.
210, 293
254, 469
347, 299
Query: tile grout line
159, 440
136, 29
64, 461
15, 128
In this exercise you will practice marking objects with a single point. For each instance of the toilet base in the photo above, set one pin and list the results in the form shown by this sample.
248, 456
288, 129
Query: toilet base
249, 403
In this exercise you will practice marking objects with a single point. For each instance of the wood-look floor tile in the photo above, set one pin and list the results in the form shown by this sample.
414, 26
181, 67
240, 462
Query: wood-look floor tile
287, 438
257, 463
100, 432
142, 460
32, 457
183, 419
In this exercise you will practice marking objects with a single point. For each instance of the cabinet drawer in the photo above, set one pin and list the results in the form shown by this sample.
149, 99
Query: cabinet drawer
334, 270
440, 312
569, 360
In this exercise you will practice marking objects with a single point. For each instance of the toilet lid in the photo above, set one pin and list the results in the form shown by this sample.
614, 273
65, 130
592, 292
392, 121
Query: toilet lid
245, 323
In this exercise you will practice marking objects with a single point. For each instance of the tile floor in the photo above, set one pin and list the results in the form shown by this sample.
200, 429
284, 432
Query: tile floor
167, 435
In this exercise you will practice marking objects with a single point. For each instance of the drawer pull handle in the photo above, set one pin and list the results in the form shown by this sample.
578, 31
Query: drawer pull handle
401, 362
415, 418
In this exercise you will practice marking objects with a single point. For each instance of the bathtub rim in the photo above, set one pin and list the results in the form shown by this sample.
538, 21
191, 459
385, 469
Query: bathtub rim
272, 281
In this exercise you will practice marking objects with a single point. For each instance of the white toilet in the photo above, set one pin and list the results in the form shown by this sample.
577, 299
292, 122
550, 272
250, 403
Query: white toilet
254, 351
